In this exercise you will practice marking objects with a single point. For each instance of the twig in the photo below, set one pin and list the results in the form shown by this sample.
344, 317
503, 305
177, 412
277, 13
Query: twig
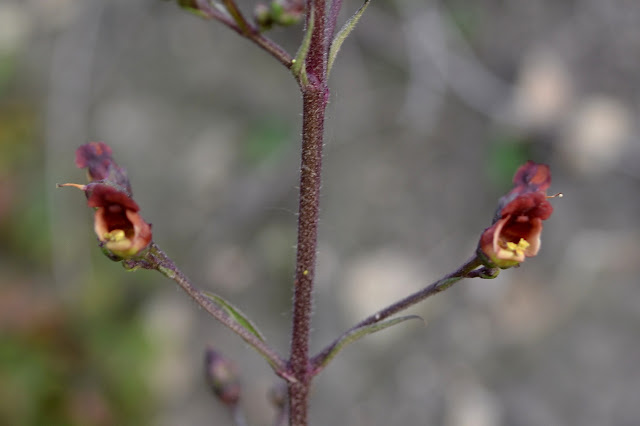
464, 271
238, 416
156, 259
239, 24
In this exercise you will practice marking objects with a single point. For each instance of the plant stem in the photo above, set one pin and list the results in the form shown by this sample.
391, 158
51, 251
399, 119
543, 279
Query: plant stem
334, 11
467, 270
314, 98
310, 179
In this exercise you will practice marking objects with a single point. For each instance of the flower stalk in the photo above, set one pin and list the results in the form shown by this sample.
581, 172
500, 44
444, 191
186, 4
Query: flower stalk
156, 259
467, 270
237, 22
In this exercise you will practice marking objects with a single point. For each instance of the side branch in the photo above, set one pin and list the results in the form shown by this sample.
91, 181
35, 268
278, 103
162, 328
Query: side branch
467, 270
156, 259
237, 22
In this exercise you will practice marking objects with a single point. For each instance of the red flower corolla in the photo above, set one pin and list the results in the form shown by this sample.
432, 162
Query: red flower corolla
117, 223
515, 232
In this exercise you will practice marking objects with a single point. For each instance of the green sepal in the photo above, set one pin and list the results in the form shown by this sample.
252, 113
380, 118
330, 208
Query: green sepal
112, 256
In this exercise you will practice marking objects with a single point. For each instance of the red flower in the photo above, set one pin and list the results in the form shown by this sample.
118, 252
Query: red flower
515, 232
117, 223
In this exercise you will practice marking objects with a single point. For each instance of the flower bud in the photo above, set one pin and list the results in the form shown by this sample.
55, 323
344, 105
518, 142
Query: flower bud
222, 377
278, 12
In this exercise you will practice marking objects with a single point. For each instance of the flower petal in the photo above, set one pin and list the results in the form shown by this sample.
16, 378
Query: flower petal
532, 177
96, 157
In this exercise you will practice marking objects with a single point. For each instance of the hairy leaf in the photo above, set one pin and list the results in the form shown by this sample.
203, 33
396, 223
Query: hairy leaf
344, 32
358, 333
236, 314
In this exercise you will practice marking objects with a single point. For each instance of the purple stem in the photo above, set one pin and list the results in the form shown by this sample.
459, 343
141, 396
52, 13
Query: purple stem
334, 11
314, 99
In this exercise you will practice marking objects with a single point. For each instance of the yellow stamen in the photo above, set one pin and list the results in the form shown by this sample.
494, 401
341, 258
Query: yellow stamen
114, 236
518, 249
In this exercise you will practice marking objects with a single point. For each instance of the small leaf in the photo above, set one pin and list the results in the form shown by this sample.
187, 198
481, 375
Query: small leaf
357, 334
298, 63
236, 314
342, 35
192, 6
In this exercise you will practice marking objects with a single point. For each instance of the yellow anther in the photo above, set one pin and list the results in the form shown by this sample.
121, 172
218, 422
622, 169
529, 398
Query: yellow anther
114, 236
518, 249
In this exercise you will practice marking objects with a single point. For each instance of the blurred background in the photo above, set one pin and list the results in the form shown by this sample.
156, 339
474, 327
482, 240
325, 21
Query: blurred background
434, 105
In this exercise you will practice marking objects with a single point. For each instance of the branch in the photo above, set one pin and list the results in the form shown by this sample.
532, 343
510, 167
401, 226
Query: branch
236, 21
467, 270
237, 16
156, 259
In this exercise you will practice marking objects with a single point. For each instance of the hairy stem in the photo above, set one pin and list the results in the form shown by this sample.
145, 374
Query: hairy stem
310, 180
467, 270
334, 11
314, 100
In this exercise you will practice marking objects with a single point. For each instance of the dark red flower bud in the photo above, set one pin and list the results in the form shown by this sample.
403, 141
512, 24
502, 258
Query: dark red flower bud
222, 377
515, 232
96, 157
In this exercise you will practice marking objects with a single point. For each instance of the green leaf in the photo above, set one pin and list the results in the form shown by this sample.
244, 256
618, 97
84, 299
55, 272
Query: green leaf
192, 6
297, 64
342, 35
236, 314
358, 333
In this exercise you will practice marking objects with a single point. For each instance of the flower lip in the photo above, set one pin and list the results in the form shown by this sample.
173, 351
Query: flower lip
117, 223
102, 194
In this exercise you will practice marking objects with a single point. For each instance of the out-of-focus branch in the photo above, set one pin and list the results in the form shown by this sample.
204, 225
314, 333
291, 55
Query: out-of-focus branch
236, 21
156, 259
